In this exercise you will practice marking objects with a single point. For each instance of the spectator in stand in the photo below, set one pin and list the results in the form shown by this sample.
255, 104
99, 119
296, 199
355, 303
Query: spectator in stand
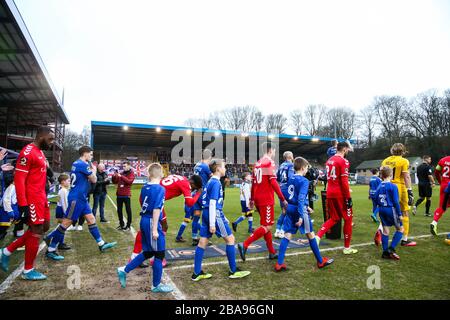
332, 150
99, 193
124, 182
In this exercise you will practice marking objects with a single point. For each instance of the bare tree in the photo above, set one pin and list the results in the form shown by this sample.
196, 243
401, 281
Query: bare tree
368, 120
217, 120
446, 113
427, 115
233, 118
257, 121
275, 123
314, 116
250, 113
72, 142
341, 122
191, 122
85, 136
390, 110
296, 121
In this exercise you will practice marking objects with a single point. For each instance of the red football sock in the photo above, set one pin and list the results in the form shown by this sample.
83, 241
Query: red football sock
325, 227
438, 214
348, 232
31, 250
138, 243
269, 244
257, 234
19, 242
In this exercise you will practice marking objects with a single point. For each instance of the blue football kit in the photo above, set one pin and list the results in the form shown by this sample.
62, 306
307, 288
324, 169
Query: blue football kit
387, 198
214, 192
152, 196
202, 169
80, 186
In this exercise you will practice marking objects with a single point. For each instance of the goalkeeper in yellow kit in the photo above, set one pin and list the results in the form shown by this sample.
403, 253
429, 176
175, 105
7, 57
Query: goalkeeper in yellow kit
402, 179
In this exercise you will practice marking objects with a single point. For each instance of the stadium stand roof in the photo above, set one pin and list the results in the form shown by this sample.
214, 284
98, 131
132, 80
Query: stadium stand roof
110, 135
28, 98
370, 164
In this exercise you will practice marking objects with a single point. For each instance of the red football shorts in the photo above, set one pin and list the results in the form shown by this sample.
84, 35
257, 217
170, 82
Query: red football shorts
39, 212
267, 215
337, 209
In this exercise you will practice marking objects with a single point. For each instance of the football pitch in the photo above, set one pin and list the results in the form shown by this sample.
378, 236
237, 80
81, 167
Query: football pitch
422, 272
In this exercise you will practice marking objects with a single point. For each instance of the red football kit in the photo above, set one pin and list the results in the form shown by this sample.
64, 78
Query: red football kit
175, 186
30, 179
263, 187
443, 177
338, 192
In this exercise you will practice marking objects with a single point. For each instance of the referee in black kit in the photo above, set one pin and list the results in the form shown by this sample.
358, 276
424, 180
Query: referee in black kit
426, 183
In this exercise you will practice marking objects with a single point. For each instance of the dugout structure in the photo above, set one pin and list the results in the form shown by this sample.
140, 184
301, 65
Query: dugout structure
28, 98
113, 141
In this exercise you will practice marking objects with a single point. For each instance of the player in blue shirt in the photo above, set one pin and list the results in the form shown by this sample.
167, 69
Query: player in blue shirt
202, 167
297, 215
374, 183
214, 222
333, 149
153, 238
387, 198
284, 173
82, 175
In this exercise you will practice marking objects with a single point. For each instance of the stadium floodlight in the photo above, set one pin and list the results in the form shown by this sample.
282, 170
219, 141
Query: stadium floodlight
315, 139
125, 128
158, 129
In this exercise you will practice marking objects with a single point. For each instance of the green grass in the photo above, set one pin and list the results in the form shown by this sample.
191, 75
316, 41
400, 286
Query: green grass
422, 272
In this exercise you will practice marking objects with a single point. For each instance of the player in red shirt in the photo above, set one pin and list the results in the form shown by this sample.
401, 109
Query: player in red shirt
30, 180
175, 186
262, 197
339, 202
442, 173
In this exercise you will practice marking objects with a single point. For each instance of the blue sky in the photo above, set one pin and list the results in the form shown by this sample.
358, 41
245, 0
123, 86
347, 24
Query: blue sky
162, 62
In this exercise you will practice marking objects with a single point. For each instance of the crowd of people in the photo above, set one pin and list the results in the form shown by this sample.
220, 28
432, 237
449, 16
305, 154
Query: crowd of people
391, 192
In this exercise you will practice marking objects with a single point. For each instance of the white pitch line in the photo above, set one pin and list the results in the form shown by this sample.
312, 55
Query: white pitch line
165, 277
13, 275
297, 253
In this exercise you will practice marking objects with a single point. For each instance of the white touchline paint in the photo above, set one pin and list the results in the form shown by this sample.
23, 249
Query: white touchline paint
176, 292
188, 266
8, 281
